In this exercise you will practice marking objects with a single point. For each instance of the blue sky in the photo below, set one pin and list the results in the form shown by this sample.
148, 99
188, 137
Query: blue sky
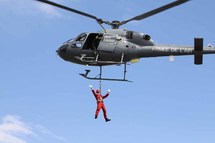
43, 99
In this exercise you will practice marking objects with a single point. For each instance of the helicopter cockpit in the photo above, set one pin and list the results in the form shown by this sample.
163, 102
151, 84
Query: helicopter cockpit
85, 41
78, 41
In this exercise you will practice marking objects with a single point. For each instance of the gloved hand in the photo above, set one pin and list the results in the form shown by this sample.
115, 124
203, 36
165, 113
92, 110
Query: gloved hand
91, 86
109, 90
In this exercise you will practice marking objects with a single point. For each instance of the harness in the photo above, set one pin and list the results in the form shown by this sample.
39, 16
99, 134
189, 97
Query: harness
100, 99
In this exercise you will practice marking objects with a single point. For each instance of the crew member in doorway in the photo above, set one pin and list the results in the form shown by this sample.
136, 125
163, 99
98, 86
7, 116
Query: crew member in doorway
100, 102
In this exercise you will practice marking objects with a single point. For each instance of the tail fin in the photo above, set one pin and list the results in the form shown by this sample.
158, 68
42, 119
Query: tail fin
198, 48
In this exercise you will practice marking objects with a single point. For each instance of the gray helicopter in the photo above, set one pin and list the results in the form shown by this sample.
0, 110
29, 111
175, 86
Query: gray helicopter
120, 46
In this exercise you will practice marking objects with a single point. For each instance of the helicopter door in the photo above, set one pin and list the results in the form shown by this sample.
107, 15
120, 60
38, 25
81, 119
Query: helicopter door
108, 43
91, 42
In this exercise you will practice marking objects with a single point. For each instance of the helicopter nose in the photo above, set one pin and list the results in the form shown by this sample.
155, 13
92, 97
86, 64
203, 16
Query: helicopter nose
62, 49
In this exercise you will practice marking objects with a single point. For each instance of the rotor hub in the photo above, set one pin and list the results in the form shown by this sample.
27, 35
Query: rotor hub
115, 24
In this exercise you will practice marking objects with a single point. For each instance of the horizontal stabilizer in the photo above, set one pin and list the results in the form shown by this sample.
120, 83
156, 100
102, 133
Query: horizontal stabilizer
198, 48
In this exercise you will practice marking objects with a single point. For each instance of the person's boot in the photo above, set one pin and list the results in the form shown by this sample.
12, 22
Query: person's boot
96, 116
107, 120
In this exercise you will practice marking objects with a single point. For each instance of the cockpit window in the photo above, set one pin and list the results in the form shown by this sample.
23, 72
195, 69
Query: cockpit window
81, 37
78, 41
76, 45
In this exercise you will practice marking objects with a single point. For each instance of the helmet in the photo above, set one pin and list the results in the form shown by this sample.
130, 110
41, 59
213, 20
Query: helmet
97, 91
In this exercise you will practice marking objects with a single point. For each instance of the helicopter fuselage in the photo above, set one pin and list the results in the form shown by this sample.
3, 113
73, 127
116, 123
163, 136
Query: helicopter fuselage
119, 46
106, 48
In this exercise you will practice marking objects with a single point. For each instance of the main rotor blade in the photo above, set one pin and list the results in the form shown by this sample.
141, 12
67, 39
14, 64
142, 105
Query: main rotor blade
69, 9
155, 11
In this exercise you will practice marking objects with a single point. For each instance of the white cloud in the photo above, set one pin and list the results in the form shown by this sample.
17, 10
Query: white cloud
11, 128
6, 138
23, 7
47, 9
14, 130
45, 131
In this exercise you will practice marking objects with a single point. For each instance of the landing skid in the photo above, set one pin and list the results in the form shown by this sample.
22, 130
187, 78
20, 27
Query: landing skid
99, 77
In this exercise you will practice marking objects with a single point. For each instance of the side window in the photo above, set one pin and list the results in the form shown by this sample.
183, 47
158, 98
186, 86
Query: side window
76, 45
129, 34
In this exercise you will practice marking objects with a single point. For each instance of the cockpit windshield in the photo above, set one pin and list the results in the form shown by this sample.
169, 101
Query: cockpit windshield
78, 41
70, 40
81, 37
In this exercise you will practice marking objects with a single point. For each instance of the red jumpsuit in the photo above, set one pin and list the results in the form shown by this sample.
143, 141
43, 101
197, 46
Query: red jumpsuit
100, 103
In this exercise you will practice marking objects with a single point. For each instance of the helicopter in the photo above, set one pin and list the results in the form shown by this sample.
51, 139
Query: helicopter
120, 46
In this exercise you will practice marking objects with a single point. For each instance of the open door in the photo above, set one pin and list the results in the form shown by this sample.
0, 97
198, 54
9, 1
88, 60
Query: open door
92, 41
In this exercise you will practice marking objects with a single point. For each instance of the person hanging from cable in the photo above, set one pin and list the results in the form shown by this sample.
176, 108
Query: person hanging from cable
100, 102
